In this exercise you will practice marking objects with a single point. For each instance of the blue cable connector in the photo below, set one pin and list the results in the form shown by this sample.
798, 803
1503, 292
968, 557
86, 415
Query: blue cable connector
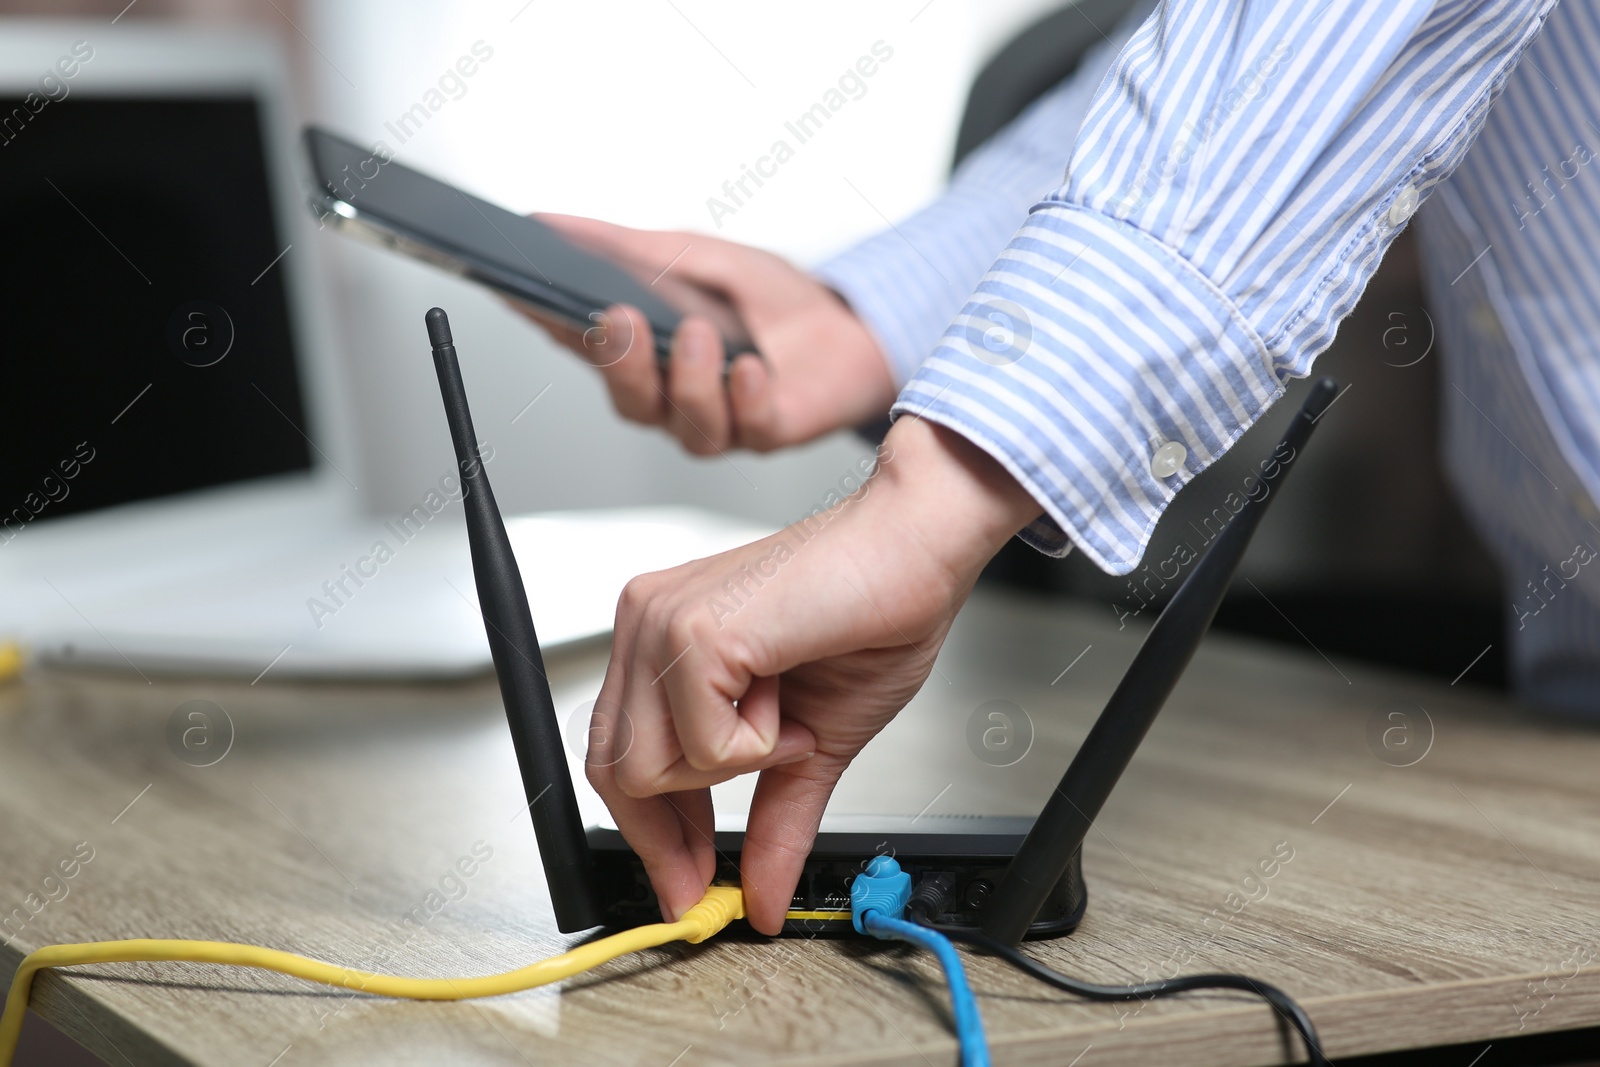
877, 901
883, 887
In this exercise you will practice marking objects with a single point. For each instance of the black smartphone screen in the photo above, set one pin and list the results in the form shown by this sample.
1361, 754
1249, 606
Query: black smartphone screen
510, 252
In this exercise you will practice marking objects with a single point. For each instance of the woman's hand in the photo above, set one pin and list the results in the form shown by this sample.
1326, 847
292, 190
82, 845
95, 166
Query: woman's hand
821, 370
787, 656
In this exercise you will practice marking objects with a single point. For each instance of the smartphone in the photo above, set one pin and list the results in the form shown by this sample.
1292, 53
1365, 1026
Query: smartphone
368, 195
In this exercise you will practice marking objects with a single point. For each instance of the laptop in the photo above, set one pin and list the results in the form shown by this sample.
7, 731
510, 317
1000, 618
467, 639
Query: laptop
179, 490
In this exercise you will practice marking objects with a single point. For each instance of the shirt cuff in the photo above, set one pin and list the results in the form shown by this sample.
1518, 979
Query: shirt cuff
1103, 371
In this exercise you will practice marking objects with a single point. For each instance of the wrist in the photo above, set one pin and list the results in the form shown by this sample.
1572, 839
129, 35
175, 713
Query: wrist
951, 496
876, 387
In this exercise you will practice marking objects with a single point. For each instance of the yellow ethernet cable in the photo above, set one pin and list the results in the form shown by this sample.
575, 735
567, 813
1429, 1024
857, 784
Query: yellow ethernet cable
720, 906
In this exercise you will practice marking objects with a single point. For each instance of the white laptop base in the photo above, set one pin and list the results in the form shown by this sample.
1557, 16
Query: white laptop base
328, 607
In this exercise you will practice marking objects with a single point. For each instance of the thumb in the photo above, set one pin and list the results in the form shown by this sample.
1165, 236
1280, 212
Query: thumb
596, 233
608, 239
710, 262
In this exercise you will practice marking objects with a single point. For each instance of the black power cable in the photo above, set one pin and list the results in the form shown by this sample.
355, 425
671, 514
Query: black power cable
928, 900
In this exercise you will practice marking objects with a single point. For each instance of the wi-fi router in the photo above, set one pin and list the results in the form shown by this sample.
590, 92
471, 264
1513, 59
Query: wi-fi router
1011, 876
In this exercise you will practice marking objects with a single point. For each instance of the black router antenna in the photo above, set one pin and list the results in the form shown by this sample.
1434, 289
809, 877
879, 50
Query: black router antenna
1064, 823
514, 645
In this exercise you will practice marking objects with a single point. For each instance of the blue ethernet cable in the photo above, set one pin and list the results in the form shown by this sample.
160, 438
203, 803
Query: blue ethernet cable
877, 900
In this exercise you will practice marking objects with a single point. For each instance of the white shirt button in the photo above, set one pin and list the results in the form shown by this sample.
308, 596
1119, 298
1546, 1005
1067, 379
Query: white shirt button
1404, 206
1168, 459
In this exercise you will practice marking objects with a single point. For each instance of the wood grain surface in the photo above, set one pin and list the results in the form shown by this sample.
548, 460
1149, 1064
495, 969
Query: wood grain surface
1264, 827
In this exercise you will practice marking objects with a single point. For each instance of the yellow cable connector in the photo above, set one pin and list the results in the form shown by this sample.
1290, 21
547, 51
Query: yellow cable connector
11, 660
720, 906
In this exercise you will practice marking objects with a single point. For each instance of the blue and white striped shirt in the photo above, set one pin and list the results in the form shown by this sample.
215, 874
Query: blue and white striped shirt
1234, 173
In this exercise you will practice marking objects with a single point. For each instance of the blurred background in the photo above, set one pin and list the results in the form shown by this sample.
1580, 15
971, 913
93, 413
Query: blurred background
638, 112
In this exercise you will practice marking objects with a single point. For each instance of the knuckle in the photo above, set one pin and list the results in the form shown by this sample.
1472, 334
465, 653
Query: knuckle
708, 756
636, 595
636, 783
682, 630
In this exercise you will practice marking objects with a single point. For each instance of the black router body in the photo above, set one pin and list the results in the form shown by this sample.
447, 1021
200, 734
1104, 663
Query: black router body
1013, 876
974, 850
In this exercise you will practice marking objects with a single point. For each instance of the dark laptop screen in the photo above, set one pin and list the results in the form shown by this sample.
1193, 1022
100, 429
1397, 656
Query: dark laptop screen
145, 343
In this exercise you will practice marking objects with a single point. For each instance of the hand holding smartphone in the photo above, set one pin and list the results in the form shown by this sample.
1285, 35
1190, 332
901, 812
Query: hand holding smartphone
366, 195
700, 298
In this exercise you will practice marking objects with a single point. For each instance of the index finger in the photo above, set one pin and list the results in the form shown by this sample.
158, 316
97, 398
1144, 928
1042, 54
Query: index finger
621, 347
671, 833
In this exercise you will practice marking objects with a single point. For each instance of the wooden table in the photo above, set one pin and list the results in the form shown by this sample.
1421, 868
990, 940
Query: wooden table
1446, 901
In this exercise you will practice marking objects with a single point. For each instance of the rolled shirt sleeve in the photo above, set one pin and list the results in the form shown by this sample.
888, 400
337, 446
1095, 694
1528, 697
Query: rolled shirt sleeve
1239, 176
